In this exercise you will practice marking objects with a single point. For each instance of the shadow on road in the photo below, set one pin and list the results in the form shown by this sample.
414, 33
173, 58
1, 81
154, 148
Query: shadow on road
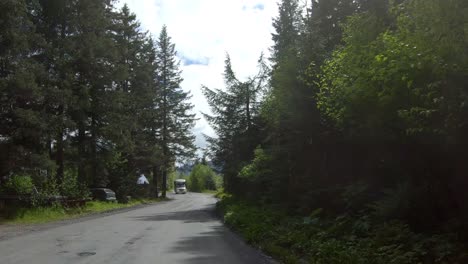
202, 248
216, 244
206, 248
202, 215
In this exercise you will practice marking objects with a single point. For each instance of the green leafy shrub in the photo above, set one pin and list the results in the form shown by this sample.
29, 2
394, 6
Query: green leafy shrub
344, 239
259, 168
203, 178
71, 188
20, 184
220, 194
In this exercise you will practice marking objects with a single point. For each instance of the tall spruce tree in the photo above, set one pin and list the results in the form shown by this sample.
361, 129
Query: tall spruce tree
149, 151
176, 119
302, 41
287, 101
93, 79
236, 121
130, 101
286, 26
128, 44
56, 23
23, 123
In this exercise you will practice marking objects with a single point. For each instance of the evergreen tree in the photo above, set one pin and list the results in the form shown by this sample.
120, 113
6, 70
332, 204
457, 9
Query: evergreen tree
289, 101
130, 100
92, 56
176, 139
236, 121
82, 85
22, 116
296, 129
148, 150
56, 23
287, 26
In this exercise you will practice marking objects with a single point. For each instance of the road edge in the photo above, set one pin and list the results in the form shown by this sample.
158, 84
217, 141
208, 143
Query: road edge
220, 215
8, 231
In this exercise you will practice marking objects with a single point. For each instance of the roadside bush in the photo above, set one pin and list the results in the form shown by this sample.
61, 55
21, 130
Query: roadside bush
203, 178
71, 188
259, 170
344, 239
20, 184
46, 183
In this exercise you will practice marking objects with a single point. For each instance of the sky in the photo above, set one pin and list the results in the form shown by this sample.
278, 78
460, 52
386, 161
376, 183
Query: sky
203, 32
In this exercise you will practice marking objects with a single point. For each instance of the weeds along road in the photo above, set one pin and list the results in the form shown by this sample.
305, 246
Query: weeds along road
182, 230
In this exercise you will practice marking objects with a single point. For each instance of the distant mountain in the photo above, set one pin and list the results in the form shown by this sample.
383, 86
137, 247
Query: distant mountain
185, 169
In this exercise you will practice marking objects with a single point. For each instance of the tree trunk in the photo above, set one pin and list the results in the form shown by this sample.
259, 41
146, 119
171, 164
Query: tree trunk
59, 159
247, 86
81, 153
164, 135
59, 156
164, 181
155, 181
96, 178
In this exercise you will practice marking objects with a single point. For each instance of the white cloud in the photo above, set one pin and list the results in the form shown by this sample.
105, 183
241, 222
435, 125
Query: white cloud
203, 31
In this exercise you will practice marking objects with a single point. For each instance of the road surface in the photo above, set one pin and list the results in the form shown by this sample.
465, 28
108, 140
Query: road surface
183, 230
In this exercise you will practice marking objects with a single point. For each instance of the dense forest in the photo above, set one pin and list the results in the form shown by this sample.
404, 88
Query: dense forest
348, 145
87, 99
361, 119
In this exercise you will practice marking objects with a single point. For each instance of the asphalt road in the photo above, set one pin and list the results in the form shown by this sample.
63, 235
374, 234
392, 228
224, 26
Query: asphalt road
183, 230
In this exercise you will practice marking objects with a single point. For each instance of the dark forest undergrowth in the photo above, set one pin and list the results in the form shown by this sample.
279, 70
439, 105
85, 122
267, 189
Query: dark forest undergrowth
321, 238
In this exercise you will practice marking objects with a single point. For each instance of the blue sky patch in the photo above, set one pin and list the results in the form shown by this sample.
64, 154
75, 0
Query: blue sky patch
194, 61
259, 6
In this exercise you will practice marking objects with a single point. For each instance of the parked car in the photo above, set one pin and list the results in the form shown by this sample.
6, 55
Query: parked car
103, 194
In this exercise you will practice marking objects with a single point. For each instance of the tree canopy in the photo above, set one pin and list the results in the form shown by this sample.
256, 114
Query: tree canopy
85, 94
365, 107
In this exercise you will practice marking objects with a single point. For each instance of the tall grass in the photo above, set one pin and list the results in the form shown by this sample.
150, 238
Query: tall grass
57, 212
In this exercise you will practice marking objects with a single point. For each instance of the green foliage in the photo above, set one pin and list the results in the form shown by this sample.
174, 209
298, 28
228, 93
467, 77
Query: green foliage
56, 212
47, 185
202, 177
37, 214
364, 96
175, 118
319, 240
87, 96
20, 184
171, 177
71, 187
397, 86
236, 120
259, 177
22, 125
259, 168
